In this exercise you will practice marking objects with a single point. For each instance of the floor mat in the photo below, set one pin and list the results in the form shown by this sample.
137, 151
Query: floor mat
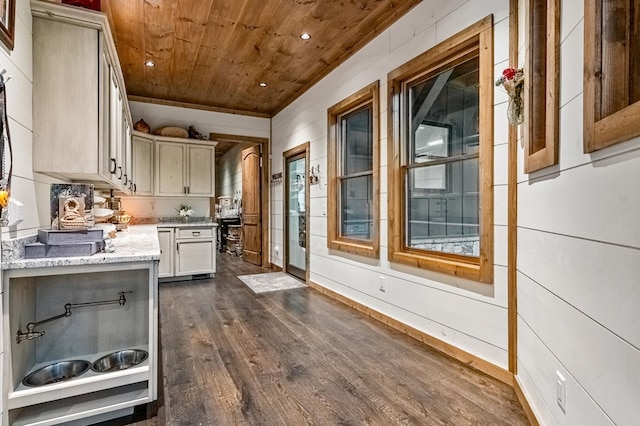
271, 281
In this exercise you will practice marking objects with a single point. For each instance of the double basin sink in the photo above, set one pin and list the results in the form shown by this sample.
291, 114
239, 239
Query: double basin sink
67, 370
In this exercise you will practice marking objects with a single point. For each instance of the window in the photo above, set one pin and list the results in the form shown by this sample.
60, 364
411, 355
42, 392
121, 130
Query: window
612, 72
353, 155
441, 157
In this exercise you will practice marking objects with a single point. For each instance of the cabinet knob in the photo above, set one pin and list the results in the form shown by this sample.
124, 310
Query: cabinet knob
126, 180
195, 233
119, 174
114, 166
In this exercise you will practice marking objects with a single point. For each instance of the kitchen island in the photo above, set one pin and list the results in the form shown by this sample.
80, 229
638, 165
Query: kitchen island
81, 309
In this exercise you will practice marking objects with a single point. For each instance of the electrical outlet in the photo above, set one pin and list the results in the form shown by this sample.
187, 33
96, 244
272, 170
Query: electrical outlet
561, 391
381, 282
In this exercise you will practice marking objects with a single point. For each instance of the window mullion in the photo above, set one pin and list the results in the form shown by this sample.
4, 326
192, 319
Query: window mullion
354, 175
446, 160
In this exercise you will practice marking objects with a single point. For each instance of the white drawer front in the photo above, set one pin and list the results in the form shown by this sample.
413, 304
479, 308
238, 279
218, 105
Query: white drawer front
195, 233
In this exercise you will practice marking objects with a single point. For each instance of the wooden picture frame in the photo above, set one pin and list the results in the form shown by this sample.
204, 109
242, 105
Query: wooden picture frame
7, 22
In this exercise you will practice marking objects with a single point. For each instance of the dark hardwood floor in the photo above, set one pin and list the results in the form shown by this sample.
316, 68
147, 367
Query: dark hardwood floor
230, 357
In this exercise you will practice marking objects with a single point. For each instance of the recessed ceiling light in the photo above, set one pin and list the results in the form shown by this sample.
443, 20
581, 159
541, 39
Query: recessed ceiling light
305, 36
262, 84
150, 64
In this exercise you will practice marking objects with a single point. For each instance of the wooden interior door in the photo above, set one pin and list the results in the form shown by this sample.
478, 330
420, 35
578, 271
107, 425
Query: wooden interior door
251, 206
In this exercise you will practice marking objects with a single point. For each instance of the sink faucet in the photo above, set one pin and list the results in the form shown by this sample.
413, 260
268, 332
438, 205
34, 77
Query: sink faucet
30, 334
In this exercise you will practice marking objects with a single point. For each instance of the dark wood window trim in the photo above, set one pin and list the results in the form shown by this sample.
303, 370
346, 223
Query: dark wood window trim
611, 69
542, 85
476, 40
368, 96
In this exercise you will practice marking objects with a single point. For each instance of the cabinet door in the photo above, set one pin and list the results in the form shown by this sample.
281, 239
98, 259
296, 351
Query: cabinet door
66, 84
114, 118
103, 116
201, 180
143, 165
165, 268
127, 181
170, 168
195, 257
120, 141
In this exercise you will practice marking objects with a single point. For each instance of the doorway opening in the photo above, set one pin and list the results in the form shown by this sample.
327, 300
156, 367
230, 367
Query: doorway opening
241, 204
296, 208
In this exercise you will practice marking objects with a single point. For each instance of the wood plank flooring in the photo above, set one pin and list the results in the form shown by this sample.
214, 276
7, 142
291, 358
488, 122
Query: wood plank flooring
294, 357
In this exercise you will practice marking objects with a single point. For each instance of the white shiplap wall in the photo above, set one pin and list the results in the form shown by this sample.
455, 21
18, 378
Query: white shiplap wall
229, 172
204, 121
27, 187
578, 266
466, 314
31, 189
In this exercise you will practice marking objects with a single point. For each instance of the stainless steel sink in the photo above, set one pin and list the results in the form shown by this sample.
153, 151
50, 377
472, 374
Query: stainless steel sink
58, 372
120, 360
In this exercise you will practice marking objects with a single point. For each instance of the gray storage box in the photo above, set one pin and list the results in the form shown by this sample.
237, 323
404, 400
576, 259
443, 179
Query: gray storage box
56, 237
38, 250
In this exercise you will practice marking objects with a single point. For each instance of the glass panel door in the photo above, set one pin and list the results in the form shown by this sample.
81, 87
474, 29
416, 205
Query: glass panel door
295, 213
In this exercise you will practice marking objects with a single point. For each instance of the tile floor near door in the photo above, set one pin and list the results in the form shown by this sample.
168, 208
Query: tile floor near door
294, 357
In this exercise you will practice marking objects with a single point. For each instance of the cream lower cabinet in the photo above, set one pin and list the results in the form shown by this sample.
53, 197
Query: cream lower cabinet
167, 253
187, 251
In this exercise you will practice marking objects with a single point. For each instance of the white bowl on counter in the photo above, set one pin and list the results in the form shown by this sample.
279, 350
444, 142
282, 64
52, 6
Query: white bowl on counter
102, 214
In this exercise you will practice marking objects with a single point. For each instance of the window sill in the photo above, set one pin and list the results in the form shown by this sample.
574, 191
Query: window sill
458, 266
353, 247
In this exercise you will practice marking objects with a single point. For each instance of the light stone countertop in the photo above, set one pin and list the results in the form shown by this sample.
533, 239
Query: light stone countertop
139, 243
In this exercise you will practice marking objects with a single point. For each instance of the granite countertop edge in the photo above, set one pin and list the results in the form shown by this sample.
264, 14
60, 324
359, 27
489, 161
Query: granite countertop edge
138, 244
186, 225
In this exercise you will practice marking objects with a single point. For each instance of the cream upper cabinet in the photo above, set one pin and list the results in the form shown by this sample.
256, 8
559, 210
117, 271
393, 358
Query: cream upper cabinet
128, 154
200, 170
80, 112
170, 168
142, 165
184, 168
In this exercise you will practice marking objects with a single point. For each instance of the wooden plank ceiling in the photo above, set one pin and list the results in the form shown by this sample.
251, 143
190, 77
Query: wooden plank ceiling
211, 54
